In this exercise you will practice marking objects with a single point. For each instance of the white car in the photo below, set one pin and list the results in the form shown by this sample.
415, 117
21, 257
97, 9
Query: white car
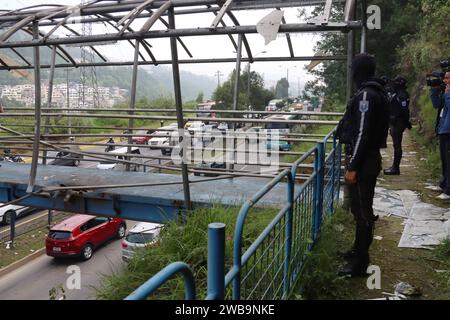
119, 154
8, 211
141, 235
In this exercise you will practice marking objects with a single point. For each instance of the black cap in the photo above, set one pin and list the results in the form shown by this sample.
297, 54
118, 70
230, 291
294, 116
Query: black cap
400, 81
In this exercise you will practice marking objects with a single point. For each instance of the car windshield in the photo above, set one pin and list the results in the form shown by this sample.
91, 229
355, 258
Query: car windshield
59, 235
140, 238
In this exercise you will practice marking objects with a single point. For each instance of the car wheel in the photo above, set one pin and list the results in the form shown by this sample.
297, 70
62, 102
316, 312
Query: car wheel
86, 252
121, 231
7, 217
76, 163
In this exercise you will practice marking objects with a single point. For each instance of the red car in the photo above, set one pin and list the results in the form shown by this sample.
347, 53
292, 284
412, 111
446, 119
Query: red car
141, 139
79, 235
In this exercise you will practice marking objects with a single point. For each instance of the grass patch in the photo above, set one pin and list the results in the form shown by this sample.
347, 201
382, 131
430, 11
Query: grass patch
31, 238
442, 255
319, 279
183, 242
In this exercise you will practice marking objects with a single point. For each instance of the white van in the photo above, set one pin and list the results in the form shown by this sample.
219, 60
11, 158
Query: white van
120, 154
162, 136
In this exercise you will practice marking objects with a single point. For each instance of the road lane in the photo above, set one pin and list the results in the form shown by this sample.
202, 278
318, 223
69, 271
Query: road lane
34, 280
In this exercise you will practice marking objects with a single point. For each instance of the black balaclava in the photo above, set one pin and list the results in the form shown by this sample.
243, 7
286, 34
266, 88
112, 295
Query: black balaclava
363, 68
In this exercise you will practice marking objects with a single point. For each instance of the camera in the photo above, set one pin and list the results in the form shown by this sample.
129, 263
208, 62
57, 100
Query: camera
436, 78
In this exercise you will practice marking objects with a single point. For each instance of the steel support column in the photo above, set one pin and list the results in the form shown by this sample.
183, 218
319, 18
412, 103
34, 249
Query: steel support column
133, 95
49, 98
364, 26
179, 106
37, 106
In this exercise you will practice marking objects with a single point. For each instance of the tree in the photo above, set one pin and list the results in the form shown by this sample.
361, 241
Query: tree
400, 19
282, 89
199, 98
259, 96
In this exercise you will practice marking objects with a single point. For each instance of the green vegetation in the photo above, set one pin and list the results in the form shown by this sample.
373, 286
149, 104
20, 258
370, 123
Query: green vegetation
259, 97
319, 278
282, 89
442, 255
184, 242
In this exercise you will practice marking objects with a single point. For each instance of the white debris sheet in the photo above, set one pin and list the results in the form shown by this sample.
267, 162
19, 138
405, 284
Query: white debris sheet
425, 224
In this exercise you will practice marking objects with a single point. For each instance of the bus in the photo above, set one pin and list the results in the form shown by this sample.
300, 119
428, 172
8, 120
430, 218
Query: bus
281, 128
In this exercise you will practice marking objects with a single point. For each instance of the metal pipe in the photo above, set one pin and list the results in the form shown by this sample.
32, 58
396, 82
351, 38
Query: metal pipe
287, 28
133, 94
131, 5
179, 104
216, 261
37, 105
140, 110
237, 75
187, 61
123, 116
364, 26
49, 97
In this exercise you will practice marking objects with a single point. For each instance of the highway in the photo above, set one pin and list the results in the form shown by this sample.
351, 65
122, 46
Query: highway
34, 280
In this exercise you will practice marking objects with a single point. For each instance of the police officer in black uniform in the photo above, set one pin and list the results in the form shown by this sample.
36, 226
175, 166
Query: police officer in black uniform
398, 121
364, 130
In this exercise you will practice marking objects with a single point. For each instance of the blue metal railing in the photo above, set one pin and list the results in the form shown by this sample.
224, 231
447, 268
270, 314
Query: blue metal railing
272, 264
162, 277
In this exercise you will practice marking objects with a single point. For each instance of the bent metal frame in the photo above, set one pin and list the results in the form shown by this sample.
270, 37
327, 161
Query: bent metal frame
122, 15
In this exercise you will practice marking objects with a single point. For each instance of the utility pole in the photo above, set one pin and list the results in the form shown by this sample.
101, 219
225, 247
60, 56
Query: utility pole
248, 85
218, 74
69, 120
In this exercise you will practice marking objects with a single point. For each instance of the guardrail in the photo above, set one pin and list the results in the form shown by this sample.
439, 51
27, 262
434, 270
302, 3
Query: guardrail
271, 266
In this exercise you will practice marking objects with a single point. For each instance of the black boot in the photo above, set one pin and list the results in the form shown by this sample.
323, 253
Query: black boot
392, 171
355, 267
348, 255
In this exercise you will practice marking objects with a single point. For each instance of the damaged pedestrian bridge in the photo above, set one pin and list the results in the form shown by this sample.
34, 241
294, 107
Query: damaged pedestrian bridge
305, 187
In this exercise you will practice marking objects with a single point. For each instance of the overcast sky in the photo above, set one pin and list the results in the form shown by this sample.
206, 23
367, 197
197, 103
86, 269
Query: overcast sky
212, 47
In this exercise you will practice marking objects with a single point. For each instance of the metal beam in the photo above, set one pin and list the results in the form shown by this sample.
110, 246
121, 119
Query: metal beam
37, 106
49, 98
156, 15
287, 28
185, 61
179, 106
133, 94
21, 56
19, 25
220, 14
145, 44
130, 5
132, 15
244, 38
288, 38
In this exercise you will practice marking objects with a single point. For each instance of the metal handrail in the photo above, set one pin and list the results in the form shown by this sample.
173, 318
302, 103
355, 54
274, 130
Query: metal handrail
164, 275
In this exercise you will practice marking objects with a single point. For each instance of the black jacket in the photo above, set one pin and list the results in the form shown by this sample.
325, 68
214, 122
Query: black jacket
399, 108
366, 122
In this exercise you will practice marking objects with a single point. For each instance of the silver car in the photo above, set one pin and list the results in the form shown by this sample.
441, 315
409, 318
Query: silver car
140, 236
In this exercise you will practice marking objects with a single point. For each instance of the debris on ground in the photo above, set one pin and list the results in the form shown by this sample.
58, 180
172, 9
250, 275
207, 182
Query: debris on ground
404, 288
426, 225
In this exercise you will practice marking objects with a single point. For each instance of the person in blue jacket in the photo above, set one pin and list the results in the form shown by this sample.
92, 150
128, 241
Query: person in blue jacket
441, 101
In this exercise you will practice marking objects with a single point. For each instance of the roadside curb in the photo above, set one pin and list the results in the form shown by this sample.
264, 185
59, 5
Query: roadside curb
15, 265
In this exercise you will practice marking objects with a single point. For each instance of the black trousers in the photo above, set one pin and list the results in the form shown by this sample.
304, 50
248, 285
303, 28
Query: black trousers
397, 137
444, 147
361, 203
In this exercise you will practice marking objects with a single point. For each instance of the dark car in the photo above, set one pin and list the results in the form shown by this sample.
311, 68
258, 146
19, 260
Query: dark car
207, 166
68, 158
80, 234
